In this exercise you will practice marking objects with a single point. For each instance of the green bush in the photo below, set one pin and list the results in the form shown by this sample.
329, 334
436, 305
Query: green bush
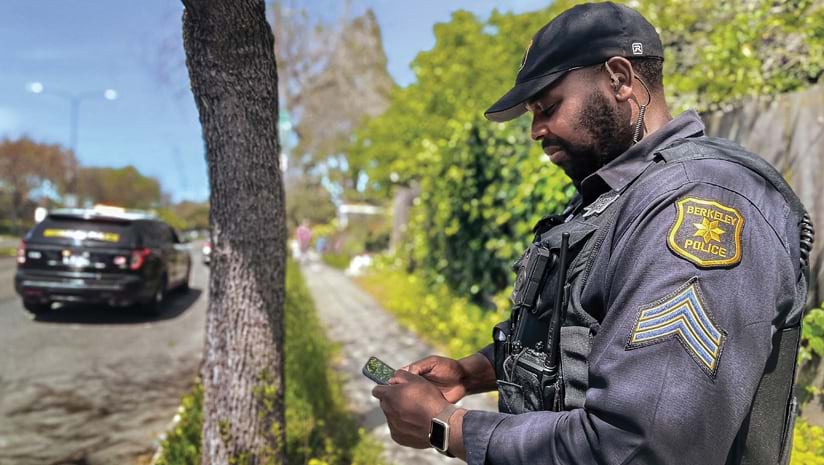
181, 446
487, 188
337, 260
808, 444
439, 317
319, 429
810, 355
812, 335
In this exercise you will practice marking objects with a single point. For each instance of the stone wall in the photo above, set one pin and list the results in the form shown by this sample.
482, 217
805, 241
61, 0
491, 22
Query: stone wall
788, 131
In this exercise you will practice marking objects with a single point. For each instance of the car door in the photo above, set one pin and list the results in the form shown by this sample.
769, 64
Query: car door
182, 258
167, 248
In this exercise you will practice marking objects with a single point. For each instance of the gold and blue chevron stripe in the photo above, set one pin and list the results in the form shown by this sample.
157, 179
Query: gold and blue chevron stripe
681, 315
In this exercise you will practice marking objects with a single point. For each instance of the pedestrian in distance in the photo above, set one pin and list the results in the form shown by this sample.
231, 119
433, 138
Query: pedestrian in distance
657, 319
303, 236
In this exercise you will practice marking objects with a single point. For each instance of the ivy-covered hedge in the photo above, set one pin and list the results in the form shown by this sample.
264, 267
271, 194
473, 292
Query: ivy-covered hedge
439, 317
319, 429
482, 191
808, 444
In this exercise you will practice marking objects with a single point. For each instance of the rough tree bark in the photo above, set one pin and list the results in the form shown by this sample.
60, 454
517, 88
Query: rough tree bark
230, 57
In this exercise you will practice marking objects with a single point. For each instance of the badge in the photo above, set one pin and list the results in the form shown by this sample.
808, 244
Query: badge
706, 233
601, 203
681, 315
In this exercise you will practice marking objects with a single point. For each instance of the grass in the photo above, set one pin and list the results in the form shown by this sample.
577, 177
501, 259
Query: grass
319, 429
436, 315
8, 251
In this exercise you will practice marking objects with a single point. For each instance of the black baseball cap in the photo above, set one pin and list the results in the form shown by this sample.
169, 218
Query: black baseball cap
581, 36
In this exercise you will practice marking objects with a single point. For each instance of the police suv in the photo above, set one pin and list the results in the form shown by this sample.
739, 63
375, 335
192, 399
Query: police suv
103, 255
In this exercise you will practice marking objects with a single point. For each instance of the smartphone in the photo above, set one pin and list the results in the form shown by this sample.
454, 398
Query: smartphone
378, 371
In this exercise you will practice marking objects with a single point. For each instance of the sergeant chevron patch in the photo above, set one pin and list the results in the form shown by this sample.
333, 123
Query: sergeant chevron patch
681, 315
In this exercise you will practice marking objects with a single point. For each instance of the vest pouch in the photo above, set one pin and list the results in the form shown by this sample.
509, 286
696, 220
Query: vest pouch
522, 394
530, 269
501, 336
521, 389
510, 397
580, 233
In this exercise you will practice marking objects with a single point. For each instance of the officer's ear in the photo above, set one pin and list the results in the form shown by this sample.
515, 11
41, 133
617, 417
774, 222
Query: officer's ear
620, 75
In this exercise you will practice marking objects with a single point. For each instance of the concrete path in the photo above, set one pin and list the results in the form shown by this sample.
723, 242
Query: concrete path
363, 328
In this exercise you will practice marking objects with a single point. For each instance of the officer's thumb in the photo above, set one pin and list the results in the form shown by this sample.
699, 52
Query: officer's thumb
421, 367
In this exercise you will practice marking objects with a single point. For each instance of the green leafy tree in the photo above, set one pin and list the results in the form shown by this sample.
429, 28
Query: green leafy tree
307, 200
27, 166
124, 187
483, 184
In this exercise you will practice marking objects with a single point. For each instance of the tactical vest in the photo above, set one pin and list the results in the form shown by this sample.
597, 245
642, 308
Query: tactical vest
541, 362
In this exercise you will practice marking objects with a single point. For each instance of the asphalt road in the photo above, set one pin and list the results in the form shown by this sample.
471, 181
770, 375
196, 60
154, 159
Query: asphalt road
88, 385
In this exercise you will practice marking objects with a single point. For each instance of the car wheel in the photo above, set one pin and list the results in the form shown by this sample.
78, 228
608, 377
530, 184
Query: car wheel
37, 308
155, 305
184, 286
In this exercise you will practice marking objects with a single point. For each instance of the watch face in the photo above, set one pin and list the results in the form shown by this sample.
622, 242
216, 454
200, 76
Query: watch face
437, 437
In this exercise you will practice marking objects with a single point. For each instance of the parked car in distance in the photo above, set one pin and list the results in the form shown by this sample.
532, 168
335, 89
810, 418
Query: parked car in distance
207, 252
101, 255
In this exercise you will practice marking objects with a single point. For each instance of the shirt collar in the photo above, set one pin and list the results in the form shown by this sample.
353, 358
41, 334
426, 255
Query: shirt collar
618, 173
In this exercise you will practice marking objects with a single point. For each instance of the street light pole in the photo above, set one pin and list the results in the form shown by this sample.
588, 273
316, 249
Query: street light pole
74, 100
74, 114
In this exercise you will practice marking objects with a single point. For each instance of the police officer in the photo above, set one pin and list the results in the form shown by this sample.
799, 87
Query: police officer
657, 320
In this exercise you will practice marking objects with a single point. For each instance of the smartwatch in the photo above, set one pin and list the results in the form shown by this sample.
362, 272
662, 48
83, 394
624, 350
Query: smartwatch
439, 430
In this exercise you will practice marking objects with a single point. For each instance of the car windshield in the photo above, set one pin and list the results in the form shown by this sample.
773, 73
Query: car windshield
76, 231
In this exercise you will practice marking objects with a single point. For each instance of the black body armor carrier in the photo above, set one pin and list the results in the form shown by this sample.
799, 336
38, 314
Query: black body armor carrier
541, 354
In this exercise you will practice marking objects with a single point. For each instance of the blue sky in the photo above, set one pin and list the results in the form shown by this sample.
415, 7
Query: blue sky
91, 45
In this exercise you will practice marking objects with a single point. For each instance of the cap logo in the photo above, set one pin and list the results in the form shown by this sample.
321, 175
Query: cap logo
637, 48
526, 54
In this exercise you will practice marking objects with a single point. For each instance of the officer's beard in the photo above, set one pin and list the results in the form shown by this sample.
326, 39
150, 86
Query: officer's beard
610, 131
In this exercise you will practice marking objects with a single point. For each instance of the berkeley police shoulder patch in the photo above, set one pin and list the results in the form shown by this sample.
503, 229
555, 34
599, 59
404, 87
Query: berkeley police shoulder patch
681, 315
706, 233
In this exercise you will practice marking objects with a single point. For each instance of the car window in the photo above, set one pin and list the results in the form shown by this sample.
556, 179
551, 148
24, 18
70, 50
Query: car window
77, 231
165, 233
154, 237
175, 237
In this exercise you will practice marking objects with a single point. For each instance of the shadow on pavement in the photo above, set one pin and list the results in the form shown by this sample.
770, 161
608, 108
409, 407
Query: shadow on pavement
176, 304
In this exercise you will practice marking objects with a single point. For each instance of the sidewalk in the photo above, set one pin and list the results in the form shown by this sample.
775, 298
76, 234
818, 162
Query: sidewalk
362, 328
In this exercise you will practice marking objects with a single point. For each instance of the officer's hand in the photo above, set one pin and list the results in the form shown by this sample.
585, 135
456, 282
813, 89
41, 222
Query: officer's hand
409, 404
446, 374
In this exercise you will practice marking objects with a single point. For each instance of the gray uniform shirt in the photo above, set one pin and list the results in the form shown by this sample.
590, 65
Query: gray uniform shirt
692, 281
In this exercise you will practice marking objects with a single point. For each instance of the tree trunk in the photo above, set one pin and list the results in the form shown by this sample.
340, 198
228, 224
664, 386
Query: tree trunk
230, 57
16, 206
401, 205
